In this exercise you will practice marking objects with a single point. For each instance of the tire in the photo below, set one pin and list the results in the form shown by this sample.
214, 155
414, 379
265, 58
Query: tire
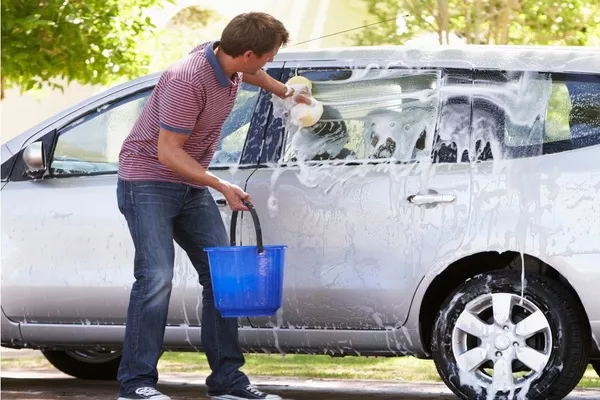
86, 364
557, 332
596, 366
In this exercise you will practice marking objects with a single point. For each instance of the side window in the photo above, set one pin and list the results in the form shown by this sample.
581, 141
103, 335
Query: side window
369, 114
92, 144
236, 127
573, 114
525, 114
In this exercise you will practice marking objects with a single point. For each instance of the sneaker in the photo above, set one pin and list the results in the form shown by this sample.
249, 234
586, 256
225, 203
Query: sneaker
249, 392
146, 393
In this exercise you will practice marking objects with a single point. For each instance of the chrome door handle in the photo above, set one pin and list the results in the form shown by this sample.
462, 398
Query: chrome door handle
221, 202
420, 199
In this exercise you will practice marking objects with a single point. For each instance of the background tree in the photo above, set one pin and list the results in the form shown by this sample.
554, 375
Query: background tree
187, 29
541, 22
55, 42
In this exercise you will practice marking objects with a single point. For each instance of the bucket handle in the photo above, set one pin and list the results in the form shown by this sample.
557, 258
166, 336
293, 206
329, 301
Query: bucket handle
259, 241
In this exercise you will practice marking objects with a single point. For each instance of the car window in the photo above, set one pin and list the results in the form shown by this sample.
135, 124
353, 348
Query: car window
92, 144
369, 114
236, 127
573, 115
529, 114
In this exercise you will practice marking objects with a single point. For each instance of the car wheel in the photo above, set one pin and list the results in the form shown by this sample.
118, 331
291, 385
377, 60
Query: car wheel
490, 337
596, 366
86, 364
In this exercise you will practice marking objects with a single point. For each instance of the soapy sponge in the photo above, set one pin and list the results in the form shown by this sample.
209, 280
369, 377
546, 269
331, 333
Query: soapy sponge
300, 80
304, 115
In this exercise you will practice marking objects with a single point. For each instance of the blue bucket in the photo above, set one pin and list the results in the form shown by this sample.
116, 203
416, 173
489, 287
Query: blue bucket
247, 280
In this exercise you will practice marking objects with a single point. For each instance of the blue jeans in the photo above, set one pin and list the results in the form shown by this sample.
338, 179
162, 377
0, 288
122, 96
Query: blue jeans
157, 214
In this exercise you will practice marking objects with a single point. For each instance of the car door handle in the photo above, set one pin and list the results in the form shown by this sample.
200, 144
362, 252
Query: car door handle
221, 202
419, 199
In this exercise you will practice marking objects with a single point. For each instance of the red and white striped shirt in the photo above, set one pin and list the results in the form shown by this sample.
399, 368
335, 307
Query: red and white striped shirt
192, 97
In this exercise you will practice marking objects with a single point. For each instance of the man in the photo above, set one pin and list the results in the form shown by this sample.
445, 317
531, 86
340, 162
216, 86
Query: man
163, 193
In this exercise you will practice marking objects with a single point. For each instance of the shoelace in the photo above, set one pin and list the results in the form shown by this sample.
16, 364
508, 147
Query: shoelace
147, 391
254, 390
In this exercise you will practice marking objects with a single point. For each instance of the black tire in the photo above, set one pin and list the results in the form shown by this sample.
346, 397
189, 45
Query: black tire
89, 365
596, 366
568, 328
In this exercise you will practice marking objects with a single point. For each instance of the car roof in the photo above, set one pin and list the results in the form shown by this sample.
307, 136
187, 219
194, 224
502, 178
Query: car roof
518, 58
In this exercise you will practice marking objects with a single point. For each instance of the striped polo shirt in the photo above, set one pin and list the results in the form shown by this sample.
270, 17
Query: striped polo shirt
192, 97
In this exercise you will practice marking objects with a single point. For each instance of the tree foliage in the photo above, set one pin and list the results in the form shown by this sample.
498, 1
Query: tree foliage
55, 42
530, 22
187, 29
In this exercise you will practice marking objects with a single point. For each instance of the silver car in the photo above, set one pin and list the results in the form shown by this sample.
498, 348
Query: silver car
447, 206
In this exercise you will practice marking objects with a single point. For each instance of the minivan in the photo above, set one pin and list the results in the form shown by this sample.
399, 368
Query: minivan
446, 206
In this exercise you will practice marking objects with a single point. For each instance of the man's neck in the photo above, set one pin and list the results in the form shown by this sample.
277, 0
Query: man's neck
226, 62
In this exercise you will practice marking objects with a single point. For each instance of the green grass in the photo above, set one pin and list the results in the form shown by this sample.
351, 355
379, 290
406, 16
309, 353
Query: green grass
33, 363
590, 379
407, 369
320, 366
309, 366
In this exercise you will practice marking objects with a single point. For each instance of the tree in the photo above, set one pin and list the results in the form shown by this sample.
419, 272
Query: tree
56, 41
187, 29
573, 22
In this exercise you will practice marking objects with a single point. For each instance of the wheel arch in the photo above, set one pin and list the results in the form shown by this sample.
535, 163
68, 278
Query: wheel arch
440, 286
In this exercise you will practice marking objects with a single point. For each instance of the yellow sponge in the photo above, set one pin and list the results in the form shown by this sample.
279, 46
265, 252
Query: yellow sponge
300, 80
304, 115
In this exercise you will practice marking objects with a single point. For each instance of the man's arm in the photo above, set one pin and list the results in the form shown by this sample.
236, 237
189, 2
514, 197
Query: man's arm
265, 81
172, 155
270, 84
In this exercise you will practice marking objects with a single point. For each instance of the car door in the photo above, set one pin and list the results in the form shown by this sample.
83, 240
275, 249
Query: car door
357, 197
67, 255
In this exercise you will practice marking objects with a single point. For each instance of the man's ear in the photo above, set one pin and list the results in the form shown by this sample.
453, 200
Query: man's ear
248, 54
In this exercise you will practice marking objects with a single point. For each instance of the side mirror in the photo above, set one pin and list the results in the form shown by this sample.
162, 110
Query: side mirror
34, 158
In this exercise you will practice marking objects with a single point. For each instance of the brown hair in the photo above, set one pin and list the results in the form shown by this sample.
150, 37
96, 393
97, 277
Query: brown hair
256, 31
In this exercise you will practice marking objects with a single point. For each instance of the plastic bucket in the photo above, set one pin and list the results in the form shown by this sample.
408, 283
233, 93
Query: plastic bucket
247, 280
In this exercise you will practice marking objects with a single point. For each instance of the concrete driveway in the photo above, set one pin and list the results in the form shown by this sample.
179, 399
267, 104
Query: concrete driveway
50, 384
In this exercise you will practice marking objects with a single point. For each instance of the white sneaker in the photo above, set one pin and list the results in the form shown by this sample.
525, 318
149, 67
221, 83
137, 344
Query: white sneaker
145, 393
249, 392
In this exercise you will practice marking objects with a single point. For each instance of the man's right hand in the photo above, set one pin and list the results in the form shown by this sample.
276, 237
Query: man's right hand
301, 94
234, 196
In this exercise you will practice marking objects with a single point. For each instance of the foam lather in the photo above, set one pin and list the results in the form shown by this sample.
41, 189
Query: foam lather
301, 114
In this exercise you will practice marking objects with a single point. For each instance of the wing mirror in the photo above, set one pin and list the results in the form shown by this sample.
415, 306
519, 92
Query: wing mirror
35, 158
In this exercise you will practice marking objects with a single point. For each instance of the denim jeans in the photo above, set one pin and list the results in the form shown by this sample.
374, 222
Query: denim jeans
157, 214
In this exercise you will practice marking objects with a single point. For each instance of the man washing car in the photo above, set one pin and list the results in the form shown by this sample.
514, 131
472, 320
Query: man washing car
163, 193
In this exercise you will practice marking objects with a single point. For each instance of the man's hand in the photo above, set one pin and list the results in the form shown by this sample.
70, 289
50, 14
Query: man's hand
234, 196
172, 155
302, 96
270, 84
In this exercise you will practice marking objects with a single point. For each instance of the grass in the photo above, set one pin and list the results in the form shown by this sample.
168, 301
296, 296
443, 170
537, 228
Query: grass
314, 366
29, 363
403, 369
407, 369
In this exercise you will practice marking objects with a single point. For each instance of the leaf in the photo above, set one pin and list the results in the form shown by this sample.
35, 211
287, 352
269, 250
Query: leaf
50, 39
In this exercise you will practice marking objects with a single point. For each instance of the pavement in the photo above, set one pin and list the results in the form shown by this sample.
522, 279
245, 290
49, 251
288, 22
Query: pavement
49, 384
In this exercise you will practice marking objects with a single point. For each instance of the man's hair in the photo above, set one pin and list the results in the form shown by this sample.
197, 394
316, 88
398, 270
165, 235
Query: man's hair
256, 31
